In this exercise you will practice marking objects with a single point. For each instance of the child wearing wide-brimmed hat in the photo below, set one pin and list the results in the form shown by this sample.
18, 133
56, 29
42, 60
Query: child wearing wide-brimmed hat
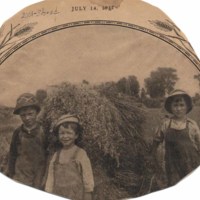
27, 156
181, 137
69, 173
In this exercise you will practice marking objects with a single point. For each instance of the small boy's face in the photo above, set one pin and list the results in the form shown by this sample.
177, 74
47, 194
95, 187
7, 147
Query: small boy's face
179, 107
67, 134
28, 116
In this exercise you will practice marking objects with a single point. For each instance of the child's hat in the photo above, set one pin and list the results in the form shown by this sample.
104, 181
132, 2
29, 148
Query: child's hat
67, 118
26, 100
177, 92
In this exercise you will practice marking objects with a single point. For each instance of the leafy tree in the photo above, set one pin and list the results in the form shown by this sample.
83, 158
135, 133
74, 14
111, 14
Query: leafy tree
85, 82
41, 95
161, 82
122, 85
196, 98
134, 86
143, 95
129, 86
107, 89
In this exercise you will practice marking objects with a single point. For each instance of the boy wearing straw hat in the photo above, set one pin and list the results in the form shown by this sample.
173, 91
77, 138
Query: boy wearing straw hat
181, 136
70, 173
27, 156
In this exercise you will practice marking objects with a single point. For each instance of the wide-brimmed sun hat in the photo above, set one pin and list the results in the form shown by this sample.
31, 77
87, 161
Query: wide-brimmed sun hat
26, 100
176, 93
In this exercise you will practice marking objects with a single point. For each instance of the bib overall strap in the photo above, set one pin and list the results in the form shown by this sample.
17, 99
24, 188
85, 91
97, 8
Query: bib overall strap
57, 156
170, 122
75, 153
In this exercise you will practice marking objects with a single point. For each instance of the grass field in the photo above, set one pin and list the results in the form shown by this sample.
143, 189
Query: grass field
8, 123
153, 120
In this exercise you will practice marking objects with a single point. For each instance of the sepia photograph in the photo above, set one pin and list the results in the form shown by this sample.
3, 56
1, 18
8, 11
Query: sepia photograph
99, 110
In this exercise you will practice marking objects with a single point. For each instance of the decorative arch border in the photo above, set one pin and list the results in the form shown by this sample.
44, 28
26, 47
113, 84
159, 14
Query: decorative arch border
191, 57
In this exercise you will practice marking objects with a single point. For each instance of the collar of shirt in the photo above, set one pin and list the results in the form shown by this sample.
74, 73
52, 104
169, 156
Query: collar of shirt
179, 125
30, 132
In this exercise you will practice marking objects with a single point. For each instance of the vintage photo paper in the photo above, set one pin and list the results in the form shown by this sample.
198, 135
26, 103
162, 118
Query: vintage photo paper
99, 99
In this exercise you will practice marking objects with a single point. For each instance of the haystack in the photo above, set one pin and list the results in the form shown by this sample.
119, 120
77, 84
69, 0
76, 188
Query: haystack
112, 137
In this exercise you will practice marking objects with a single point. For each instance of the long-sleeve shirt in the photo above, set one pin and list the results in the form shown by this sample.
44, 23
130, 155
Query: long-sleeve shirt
27, 156
193, 130
84, 163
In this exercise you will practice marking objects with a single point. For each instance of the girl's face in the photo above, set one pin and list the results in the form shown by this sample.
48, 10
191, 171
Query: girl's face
179, 107
67, 134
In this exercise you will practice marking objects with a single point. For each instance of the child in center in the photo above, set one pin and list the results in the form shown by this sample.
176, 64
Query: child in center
69, 173
181, 136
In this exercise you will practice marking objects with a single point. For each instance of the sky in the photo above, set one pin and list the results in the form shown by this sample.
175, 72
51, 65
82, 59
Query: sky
93, 53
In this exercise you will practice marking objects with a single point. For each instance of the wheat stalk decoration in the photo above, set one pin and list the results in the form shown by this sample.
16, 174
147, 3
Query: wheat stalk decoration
168, 26
15, 32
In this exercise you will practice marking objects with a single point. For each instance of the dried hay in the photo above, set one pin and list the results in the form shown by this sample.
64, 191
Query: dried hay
112, 139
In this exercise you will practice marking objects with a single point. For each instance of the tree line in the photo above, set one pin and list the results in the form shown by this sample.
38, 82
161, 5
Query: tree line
157, 86
159, 83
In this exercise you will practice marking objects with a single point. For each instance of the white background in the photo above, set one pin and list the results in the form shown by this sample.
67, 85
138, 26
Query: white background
185, 13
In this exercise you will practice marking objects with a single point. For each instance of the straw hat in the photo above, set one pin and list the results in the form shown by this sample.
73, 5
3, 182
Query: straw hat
182, 93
